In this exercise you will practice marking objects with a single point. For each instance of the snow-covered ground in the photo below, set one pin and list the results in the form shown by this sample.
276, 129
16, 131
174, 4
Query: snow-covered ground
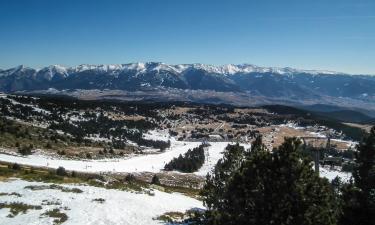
158, 135
142, 163
331, 174
292, 125
119, 207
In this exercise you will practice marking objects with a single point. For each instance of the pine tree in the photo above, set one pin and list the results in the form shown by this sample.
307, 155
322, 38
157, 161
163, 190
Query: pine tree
155, 180
359, 197
61, 171
278, 187
16, 166
216, 183
364, 172
25, 150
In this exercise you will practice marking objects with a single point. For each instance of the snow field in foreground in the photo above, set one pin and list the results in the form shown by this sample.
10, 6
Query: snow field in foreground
119, 207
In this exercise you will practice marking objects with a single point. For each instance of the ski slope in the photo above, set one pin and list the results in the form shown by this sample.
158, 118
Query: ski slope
215, 152
142, 163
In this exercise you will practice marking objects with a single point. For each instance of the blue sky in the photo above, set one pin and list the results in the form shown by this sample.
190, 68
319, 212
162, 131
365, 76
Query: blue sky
321, 34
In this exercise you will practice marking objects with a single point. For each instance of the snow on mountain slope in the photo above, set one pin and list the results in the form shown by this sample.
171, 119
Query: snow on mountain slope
227, 69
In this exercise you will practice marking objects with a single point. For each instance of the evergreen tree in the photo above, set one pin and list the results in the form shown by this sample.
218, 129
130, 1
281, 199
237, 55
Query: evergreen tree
278, 187
216, 183
364, 172
16, 166
25, 150
61, 171
155, 180
359, 197
190, 162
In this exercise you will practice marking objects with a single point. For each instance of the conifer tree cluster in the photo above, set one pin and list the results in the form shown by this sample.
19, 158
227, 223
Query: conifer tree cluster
190, 162
358, 197
258, 186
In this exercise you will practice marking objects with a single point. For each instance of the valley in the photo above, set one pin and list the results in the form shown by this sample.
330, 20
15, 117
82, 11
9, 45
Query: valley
126, 145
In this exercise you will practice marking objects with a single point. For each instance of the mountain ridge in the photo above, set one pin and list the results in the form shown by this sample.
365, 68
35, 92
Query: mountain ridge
221, 69
247, 80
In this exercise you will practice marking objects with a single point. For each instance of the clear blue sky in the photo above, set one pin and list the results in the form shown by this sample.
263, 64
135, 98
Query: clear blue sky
315, 34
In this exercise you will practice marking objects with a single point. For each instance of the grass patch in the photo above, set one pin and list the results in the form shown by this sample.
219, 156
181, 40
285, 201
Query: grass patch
18, 207
192, 216
49, 176
47, 202
99, 200
39, 175
59, 217
134, 186
54, 187
5, 172
9, 194
190, 192
171, 217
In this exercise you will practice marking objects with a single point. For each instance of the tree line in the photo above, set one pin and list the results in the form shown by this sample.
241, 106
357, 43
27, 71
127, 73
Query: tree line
190, 162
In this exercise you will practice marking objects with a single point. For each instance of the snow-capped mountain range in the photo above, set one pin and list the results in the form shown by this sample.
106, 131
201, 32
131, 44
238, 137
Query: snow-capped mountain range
228, 69
253, 80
